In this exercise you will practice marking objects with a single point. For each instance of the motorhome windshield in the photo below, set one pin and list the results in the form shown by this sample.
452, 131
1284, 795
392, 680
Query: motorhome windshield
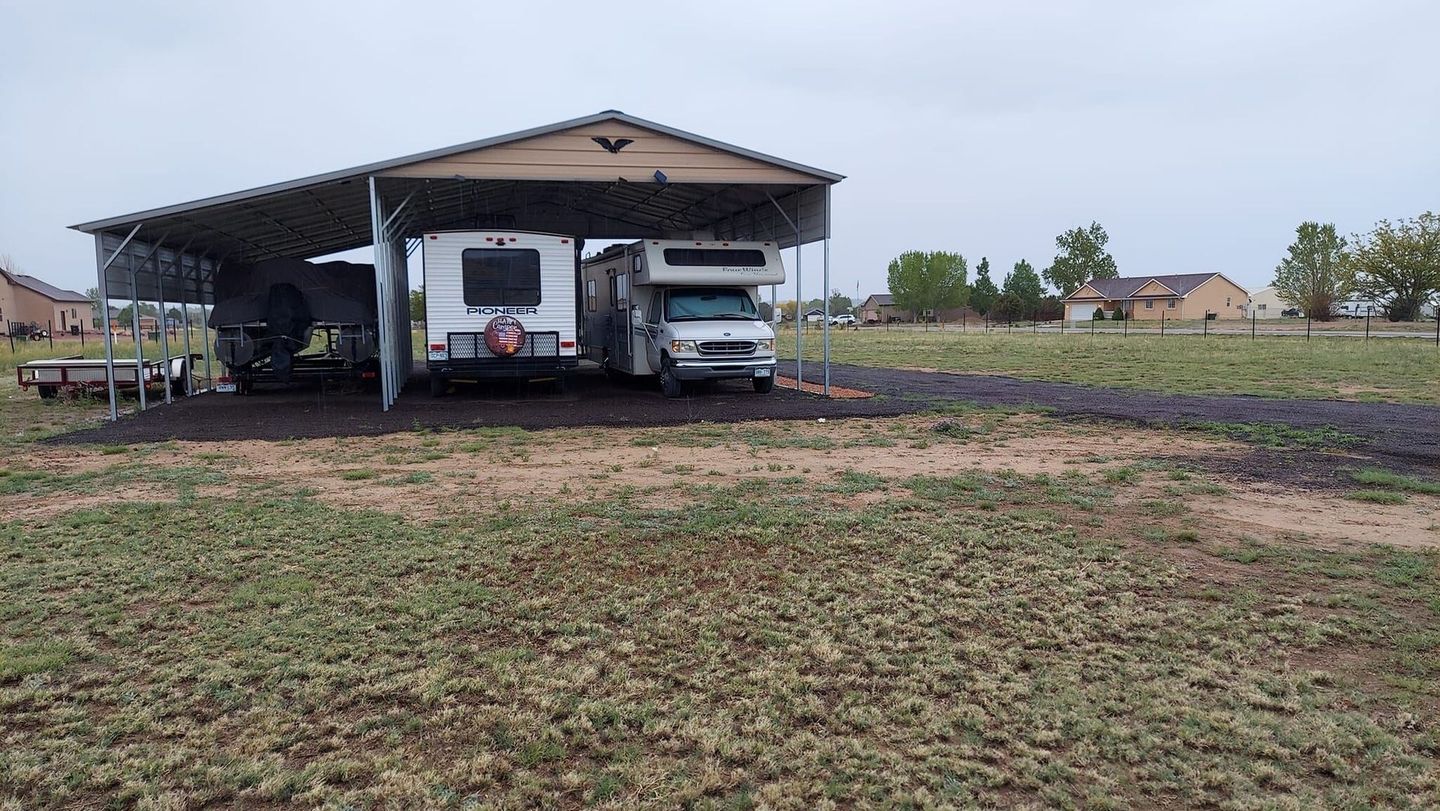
710, 304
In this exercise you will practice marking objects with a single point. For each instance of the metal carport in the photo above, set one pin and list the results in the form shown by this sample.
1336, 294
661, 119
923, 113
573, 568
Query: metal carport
604, 176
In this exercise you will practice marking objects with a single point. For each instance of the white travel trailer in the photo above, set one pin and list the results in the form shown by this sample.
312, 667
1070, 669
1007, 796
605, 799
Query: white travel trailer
682, 310
499, 304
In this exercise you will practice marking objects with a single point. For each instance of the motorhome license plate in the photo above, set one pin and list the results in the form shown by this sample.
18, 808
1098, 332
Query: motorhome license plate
762, 372
225, 388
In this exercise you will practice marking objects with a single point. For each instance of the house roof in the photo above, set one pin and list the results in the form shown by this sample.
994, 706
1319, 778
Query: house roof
1127, 286
881, 299
44, 288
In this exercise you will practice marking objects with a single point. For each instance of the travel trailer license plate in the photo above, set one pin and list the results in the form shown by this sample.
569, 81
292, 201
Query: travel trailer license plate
762, 372
225, 388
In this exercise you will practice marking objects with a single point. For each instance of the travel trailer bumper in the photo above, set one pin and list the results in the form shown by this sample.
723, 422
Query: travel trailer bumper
721, 370
526, 367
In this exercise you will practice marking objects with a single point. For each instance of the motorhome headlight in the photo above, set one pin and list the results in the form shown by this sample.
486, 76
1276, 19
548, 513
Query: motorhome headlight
765, 345
679, 347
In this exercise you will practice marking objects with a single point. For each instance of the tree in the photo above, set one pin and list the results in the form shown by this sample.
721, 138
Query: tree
126, 313
1399, 265
922, 281
1313, 276
1024, 287
96, 306
1099, 314
984, 291
417, 304
787, 309
840, 303
1082, 257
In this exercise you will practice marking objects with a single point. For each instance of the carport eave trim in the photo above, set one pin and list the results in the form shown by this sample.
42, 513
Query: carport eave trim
363, 172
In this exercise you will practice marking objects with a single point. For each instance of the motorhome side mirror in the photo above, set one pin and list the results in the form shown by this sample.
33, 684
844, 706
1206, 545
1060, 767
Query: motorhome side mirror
636, 314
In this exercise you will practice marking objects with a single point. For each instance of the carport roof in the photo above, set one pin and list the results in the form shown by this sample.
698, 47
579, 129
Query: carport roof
484, 184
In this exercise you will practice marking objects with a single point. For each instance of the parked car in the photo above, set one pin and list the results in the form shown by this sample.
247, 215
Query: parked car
843, 320
1293, 312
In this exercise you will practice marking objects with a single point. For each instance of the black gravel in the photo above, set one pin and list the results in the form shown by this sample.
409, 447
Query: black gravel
1407, 435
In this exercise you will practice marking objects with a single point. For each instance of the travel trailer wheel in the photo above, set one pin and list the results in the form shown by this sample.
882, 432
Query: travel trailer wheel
763, 385
438, 385
669, 383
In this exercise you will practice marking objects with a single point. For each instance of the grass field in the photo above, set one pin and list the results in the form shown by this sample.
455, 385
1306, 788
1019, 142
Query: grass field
1395, 370
961, 608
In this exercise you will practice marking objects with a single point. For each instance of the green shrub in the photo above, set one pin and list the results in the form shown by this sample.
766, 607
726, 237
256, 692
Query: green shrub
1099, 314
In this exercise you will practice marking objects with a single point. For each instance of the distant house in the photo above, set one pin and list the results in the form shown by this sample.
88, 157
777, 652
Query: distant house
880, 308
1183, 296
26, 300
1266, 303
815, 315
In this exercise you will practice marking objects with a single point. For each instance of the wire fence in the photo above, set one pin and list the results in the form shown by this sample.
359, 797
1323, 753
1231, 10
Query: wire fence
1255, 328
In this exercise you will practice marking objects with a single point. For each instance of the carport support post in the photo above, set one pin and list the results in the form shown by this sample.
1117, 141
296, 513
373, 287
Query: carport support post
135, 329
825, 388
102, 264
185, 321
164, 327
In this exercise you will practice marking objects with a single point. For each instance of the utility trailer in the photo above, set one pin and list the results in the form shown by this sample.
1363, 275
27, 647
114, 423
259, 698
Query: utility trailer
76, 374
281, 320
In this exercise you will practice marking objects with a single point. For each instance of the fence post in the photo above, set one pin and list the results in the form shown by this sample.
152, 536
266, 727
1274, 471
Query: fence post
1062, 325
1125, 327
1162, 324
1252, 325
1307, 326
1205, 326
50, 331
1367, 321
1009, 326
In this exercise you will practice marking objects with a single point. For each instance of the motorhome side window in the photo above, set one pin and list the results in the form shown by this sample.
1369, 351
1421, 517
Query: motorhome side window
500, 277
590, 295
714, 257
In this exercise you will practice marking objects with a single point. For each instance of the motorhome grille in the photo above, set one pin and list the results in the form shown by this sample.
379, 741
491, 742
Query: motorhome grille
727, 347
471, 346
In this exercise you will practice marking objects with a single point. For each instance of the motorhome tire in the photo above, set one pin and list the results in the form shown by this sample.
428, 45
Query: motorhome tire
669, 383
763, 385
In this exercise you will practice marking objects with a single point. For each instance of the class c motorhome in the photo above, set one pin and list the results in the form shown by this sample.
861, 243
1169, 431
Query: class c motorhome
499, 304
682, 310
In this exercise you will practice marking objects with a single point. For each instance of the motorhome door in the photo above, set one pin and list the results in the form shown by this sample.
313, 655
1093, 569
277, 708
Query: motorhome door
651, 333
620, 331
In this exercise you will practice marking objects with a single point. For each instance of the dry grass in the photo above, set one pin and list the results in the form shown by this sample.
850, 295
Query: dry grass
791, 637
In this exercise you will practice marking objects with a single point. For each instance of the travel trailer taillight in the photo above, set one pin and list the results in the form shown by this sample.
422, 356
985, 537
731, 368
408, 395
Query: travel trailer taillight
367, 375
567, 344
437, 346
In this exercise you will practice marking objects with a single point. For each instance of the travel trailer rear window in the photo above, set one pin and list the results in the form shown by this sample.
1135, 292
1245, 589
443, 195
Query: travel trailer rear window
714, 257
500, 277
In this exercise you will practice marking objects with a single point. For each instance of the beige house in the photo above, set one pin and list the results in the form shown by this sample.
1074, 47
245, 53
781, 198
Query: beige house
1266, 303
26, 300
1177, 296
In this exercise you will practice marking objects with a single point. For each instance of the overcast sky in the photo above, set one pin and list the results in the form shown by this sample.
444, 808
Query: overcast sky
1198, 133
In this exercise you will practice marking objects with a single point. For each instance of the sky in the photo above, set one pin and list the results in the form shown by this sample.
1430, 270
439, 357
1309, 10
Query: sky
1199, 134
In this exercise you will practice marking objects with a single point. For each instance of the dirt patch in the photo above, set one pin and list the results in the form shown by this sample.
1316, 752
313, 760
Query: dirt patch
837, 392
1323, 521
